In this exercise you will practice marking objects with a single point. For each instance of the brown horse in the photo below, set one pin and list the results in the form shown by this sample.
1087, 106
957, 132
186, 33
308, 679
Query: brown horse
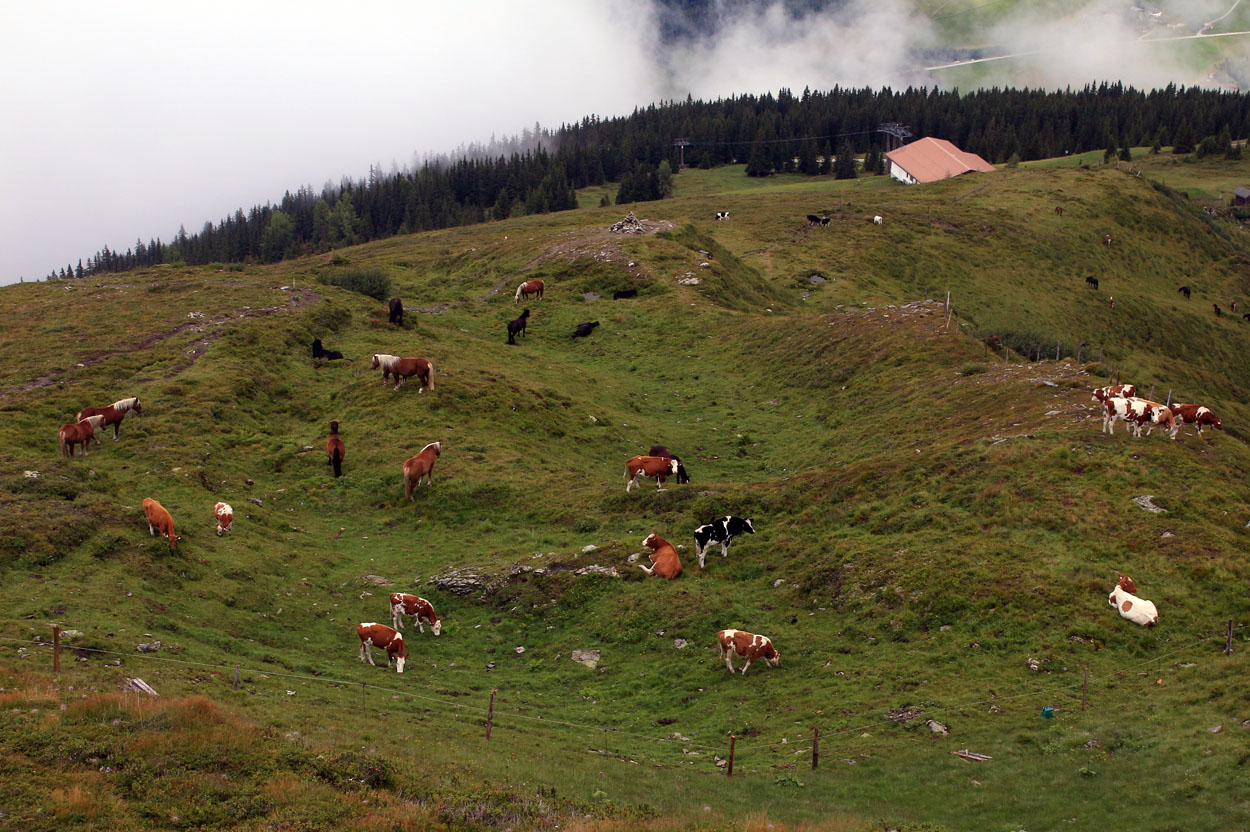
402, 368
80, 433
421, 466
530, 287
335, 449
113, 414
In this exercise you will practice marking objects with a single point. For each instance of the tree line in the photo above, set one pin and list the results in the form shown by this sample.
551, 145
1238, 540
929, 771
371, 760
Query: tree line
815, 133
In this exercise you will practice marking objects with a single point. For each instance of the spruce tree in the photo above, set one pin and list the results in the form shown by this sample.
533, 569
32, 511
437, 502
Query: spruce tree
826, 160
844, 165
808, 165
1184, 140
757, 161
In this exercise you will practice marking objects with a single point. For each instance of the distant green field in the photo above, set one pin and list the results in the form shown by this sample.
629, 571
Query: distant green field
938, 520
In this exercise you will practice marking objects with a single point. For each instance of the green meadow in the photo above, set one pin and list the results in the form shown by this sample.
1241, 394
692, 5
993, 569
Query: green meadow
938, 516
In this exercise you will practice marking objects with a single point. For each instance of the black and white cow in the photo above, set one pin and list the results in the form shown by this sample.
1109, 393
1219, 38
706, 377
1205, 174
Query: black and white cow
721, 530
722, 215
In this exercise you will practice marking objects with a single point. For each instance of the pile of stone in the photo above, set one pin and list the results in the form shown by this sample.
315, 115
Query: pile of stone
629, 225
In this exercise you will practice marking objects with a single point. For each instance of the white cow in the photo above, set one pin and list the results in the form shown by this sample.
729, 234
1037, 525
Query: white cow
1137, 610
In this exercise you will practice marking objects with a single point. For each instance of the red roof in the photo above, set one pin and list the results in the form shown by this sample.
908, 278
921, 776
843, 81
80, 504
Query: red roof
928, 160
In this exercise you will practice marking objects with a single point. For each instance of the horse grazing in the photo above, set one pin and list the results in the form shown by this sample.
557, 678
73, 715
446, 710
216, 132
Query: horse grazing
320, 352
397, 312
402, 368
585, 329
113, 413
421, 466
530, 287
1184, 290
335, 450
517, 325
660, 450
159, 520
1092, 281
78, 433
1218, 311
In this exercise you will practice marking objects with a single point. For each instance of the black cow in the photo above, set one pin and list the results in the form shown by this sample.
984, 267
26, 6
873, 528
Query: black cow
624, 293
1184, 290
517, 326
397, 312
320, 351
659, 450
722, 530
812, 219
585, 329
722, 215
1092, 281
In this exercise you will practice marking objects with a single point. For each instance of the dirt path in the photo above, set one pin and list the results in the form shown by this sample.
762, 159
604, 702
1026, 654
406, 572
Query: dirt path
299, 299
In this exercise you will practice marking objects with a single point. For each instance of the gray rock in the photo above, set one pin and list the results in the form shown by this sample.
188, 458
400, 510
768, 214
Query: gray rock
937, 727
680, 643
460, 581
590, 658
148, 647
817, 279
1146, 501
590, 547
596, 569
778, 582
376, 580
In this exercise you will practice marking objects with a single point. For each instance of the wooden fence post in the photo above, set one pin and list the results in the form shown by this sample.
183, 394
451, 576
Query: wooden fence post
815, 747
730, 773
1056, 350
1100, 355
236, 677
1151, 394
1169, 401
1228, 641
56, 648
490, 713
1085, 690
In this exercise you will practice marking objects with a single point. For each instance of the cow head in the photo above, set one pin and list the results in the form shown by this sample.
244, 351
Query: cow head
680, 470
774, 659
750, 529
1125, 583
399, 650
437, 627
651, 541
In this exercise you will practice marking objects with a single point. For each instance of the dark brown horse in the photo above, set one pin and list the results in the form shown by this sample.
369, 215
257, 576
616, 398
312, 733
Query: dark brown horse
517, 326
402, 368
113, 414
335, 450
421, 466
79, 433
530, 287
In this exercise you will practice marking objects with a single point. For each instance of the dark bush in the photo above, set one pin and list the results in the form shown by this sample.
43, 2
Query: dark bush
372, 282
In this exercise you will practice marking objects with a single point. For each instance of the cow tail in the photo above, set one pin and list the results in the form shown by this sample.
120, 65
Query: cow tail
338, 463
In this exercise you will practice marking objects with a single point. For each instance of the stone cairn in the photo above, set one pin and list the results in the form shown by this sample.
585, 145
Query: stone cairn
629, 225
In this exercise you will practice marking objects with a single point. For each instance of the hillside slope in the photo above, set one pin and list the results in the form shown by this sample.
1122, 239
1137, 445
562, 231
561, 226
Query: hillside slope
931, 519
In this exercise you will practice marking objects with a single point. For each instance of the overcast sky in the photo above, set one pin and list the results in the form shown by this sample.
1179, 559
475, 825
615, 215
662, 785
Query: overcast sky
126, 119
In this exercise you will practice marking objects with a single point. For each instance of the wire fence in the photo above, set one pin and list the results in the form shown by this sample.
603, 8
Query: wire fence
488, 716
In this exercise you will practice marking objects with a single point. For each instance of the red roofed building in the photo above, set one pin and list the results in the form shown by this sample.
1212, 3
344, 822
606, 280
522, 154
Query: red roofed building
929, 160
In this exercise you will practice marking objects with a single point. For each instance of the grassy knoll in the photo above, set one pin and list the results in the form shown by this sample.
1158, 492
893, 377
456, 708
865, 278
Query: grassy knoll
930, 518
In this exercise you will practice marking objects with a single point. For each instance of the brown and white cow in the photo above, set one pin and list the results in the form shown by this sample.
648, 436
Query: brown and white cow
159, 520
225, 518
660, 467
1194, 414
747, 645
1125, 391
1137, 413
1137, 610
380, 635
664, 560
404, 604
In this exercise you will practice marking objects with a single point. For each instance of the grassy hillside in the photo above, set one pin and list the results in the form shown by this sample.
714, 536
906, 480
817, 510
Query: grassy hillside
933, 520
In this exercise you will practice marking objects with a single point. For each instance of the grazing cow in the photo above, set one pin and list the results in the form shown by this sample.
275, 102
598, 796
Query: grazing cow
530, 287
747, 645
1137, 610
397, 312
1092, 281
1160, 415
721, 530
1193, 414
1107, 240
812, 219
650, 466
1135, 413
1184, 290
624, 293
1058, 210
421, 467
225, 518
664, 560
660, 450
402, 368
78, 433
320, 352
517, 325
113, 413
159, 520
1218, 311
1123, 391
722, 215
380, 635
877, 220
585, 329
404, 604
335, 450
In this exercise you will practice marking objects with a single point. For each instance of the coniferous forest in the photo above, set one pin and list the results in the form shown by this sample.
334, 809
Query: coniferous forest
808, 133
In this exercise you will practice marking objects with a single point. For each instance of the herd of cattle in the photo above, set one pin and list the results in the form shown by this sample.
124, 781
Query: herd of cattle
1119, 403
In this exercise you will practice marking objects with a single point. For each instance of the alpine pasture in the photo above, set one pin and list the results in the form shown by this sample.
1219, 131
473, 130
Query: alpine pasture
936, 528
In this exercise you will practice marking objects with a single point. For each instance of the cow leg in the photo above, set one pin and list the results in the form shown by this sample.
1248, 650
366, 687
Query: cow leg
647, 569
728, 656
363, 647
420, 629
724, 547
396, 619
745, 666
659, 483
151, 530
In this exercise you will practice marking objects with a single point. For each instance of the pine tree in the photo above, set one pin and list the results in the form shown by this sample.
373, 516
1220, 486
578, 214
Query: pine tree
757, 161
664, 178
1126, 155
826, 160
808, 164
1109, 153
1184, 141
844, 165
